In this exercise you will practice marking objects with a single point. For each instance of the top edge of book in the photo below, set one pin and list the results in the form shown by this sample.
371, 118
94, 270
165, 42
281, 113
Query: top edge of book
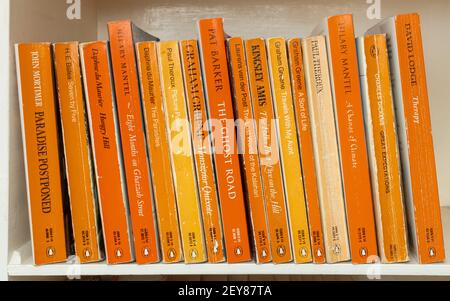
255, 39
66, 43
169, 42
395, 17
220, 19
390, 20
139, 35
34, 44
217, 20
146, 42
120, 21
322, 26
370, 35
314, 37
188, 41
94, 42
235, 38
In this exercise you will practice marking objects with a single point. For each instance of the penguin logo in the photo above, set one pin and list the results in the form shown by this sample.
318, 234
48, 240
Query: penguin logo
281, 250
238, 251
119, 253
303, 252
146, 252
319, 252
363, 252
51, 252
264, 253
194, 254
171, 254
432, 252
337, 249
215, 249
87, 253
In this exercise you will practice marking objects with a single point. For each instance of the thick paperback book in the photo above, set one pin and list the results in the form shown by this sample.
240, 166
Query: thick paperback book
268, 150
181, 152
82, 187
42, 152
339, 33
212, 222
326, 151
289, 149
412, 109
248, 149
303, 122
382, 145
123, 35
159, 152
107, 153
226, 157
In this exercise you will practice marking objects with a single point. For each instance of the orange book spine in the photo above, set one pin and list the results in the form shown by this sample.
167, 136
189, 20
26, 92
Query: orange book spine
352, 139
228, 173
79, 169
289, 149
159, 153
303, 121
41, 152
422, 178
384, 157
248, 149
202, 150
268, 148
105, 138
133, 142
181, 152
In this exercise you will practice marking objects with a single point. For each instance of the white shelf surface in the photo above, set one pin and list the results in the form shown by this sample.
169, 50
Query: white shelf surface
26, 267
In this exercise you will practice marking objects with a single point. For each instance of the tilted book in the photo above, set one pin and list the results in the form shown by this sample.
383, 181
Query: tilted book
411, 101
382, 144
181, 152
268, 150
248, 149
212, 222
326, 151
303, 121
82, 187
42, 153
123, 35
289, 149
340, 38
159, 152
226, 157
107, 152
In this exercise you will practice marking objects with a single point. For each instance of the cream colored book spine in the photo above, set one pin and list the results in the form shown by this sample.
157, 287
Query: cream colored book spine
329, 181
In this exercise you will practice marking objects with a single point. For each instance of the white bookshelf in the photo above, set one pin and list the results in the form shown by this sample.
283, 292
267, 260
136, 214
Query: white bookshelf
21, 265
45, 20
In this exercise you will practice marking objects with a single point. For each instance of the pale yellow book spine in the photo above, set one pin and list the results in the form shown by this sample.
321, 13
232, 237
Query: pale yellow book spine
289, 149
181, 153
326, 153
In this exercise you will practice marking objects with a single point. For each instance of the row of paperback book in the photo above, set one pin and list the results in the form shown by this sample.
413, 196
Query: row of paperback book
223, 149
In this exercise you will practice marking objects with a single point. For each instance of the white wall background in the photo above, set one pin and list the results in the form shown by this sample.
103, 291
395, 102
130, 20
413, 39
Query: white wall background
4, 136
